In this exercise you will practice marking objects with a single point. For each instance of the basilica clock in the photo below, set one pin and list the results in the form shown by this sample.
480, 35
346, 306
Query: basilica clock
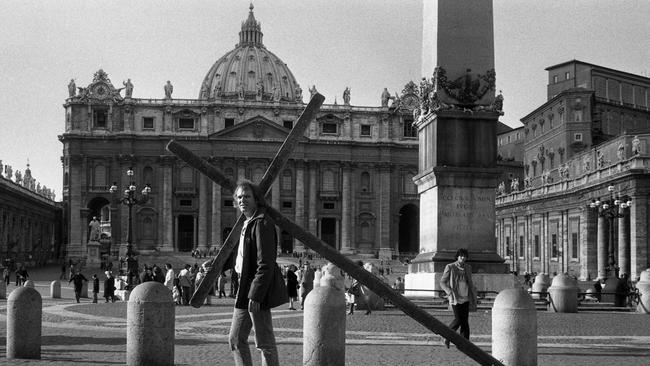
410, 101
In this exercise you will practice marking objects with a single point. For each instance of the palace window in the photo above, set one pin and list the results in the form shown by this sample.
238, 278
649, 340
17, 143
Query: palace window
100, 117
554, 79
286, 183
147, 123
567, 75
408, 187
329, 183
409, 128
99, 177
577, 137
365, 182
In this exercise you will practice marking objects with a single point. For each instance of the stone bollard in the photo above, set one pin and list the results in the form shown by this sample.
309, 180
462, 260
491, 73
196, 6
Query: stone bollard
3, 289
541, 285
644, 292
150, 326
29, 283
514, 328
563, 294
324, 321
55, 289
84, 290
24, 319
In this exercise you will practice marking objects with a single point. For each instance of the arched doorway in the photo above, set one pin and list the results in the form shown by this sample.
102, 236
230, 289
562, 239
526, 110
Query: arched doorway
409, 229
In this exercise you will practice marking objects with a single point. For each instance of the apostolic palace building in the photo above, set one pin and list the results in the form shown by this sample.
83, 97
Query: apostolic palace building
349, 181
580, 205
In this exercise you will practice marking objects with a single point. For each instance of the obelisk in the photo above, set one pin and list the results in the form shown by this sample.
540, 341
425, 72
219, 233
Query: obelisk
458, 173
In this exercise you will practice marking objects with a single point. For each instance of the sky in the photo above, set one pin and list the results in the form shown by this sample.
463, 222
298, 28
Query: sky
366, 45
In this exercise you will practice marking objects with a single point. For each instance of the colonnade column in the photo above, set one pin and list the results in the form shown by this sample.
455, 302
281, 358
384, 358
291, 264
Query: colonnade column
624, 242
167, 222
313, 220
203, 213
603, 236
300, 202
638, 235
588, 235
346, 244
216, 239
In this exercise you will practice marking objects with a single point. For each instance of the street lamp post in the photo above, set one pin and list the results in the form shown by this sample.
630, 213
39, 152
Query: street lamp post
130, 199
610, 209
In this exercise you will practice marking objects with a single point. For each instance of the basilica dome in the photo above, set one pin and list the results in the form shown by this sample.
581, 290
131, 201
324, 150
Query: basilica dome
250, 71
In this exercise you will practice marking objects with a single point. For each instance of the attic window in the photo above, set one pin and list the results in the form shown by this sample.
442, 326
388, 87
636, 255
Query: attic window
229, 122
288, 124
365, 130
329, 127
186, 123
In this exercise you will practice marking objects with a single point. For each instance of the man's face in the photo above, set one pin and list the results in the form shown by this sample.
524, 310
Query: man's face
246, 201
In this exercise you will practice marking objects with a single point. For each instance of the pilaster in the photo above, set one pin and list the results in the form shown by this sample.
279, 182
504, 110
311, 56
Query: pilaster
346, 244
215, 224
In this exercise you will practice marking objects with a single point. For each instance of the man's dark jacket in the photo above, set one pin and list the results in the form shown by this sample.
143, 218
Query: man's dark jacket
259, 265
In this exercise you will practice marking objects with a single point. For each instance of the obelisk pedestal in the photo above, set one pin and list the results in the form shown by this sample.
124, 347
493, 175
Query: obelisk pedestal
458, 173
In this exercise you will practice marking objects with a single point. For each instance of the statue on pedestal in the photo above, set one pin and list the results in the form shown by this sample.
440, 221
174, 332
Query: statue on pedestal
128, 88
385, 96
313, 90
94, 230
72, 88
346, 96
169, 89
298, 93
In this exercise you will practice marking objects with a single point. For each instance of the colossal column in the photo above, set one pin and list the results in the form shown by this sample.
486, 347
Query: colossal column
313, 220
300, 201
457, 139
203, 213
166, 218
384, 211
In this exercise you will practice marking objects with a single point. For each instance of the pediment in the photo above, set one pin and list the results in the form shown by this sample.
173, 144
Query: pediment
256, 128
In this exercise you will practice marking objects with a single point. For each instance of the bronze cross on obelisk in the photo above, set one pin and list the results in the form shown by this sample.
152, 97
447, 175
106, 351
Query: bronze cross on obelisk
326, 251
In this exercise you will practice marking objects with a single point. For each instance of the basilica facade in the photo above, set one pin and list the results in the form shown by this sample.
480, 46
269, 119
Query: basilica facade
349, 181
580, 203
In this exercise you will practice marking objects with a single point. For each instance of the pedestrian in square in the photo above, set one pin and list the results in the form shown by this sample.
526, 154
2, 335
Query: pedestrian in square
457, 282
78, 281
109, 287
95, 288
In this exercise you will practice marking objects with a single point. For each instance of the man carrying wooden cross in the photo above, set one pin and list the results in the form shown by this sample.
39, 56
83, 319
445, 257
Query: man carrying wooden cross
255, 262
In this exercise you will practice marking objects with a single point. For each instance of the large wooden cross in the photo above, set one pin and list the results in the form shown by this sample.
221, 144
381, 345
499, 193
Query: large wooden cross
326, 251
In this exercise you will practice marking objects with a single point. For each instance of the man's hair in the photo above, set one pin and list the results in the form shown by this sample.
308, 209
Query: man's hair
463, 252
257, 193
